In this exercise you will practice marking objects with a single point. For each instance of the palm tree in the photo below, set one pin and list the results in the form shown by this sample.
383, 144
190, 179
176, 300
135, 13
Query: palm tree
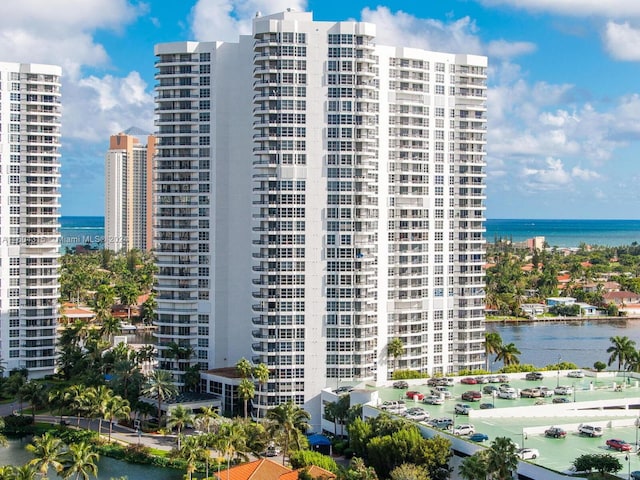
621, 350
207, 417
502, 459
508, 354
81, 460
98, 398
474, 467
291, 420
191, 451
25, 472
179, 417
34, 393
110, 326
161, 387
244, 368
48, 452
246, 391
395, 348
492, 344
7, 472
231, 441
117, 407
261, 374
76, 399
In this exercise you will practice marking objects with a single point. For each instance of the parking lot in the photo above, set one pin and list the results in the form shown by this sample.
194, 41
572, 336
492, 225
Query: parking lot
527, 430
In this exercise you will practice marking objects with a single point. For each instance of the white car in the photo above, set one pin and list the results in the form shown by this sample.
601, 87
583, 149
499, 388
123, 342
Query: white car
417, 414
590, 430
442, 391
576, 374
546, 392
563, 390
464, 429
528, 453
509, 394
433, 400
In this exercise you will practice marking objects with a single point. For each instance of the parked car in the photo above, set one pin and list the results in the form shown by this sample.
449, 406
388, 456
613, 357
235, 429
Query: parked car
486, 406
464, 429
505, 386
471, 396
415, 395
493, 379
441, 391
394, 406
416, 414
546, 391
508, 394
635, 475
462, 409
530, 393
481, 380
478, 437
489, 389
555, 432
528, 453
563, 390
443, 423
590, 430
619, 445
272, 451
503, 379
576, 374
343, 389
433, 400
561, 400
534, 376
469, 381
400, 384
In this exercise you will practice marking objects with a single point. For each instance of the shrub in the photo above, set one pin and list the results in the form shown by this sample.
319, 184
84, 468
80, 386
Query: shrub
306, 458
599, 366
17, 424
408, 374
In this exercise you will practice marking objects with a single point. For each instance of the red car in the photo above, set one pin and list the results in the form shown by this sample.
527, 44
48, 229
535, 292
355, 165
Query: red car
471, 396
619, 445
413, 394
469, 381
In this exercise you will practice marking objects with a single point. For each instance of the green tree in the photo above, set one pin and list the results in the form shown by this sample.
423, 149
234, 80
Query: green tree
98, 399
359, 471
116, 408
360, 432
192, 451
244, 368
231, 441
48, 452
502, 459
179, 417
474, 467
409, 471
160, 386
604, 463
306, 458
36, 394
128, 292
246, 391
207, 418
81, 461
261, 374
621, 350
289, 419
25, 472
395, 349
508, 355
492, 345
599, 366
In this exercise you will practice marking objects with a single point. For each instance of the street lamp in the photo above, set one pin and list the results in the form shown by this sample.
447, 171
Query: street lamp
559, 359
627, 457
637, 424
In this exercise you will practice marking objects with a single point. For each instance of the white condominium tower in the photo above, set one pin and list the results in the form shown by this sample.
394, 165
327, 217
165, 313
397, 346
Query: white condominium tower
128, 192
29, 219
317, 196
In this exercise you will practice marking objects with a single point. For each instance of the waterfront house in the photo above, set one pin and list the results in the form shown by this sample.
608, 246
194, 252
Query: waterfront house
266, 469
621, 298
553, 301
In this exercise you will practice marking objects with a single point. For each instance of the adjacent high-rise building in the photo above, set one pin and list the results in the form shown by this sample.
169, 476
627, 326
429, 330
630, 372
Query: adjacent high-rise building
317, 196
128, 192
30, 113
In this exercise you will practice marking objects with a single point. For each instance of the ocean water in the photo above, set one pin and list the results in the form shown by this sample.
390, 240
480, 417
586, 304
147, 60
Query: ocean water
558, 233
566, 233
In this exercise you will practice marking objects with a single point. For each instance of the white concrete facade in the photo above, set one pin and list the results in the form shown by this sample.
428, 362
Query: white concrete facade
30, 114
322, 195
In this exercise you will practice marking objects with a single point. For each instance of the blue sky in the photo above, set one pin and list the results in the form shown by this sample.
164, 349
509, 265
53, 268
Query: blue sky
564, 96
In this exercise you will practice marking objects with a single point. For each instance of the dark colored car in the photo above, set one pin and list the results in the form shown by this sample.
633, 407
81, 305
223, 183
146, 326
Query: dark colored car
533, 376
479, 437
489, 389
555, 432
619, 445
471, 396
486, 406
400, 384
635, 475
561, 400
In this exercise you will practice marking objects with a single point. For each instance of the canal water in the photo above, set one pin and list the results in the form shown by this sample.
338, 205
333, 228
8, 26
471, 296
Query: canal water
15, 454
581, 342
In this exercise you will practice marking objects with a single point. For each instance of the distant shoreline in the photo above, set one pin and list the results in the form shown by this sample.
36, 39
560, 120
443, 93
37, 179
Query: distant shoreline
558, 319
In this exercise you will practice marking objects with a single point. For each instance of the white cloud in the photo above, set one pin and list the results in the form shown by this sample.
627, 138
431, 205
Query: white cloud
552, 176
400, 28
622, 41
575, 8
226, 19
100, 107
504, 50
584, 174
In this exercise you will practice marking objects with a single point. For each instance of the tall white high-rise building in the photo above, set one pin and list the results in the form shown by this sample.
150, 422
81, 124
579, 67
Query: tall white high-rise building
30, 113
318, 195
128, 192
